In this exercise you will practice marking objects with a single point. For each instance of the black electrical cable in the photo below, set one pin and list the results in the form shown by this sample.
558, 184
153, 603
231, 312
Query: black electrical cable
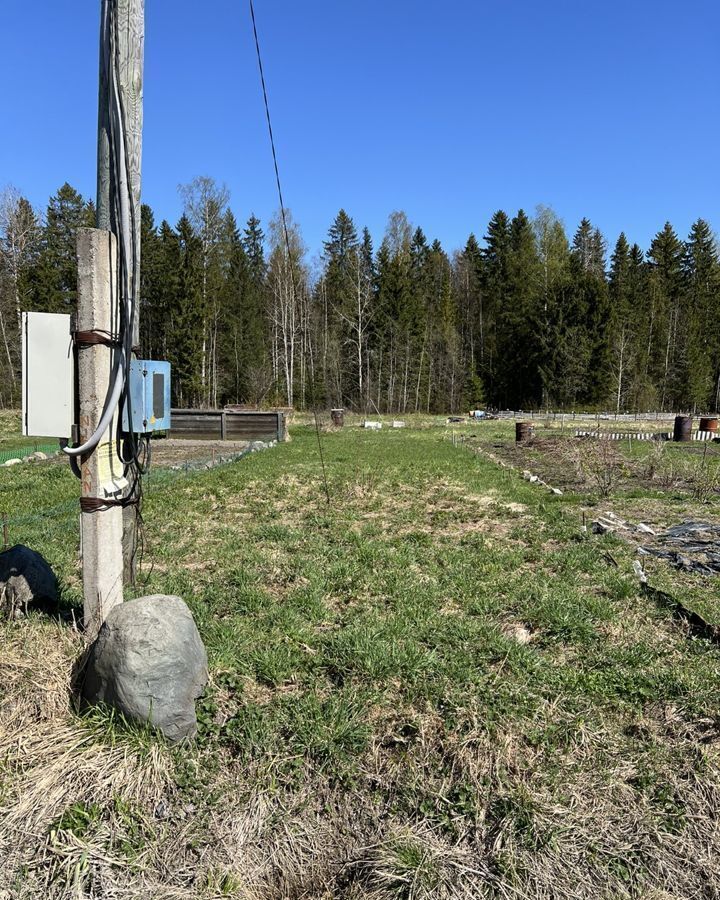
272, 139
284, 222
130, 274
133, 453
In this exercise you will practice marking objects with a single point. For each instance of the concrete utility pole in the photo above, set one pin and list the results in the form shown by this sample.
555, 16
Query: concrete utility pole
101, 470
130, 17
106, 551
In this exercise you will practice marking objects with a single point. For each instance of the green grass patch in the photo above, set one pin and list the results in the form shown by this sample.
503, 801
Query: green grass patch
441, 646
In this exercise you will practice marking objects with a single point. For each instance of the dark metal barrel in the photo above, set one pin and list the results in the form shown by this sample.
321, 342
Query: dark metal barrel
682, 433
709, 423
524, 431
338, 417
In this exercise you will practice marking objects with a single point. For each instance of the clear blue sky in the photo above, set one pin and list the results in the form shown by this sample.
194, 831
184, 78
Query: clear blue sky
448, 110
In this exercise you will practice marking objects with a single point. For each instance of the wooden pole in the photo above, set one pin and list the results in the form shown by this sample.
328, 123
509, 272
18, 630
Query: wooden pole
130, 17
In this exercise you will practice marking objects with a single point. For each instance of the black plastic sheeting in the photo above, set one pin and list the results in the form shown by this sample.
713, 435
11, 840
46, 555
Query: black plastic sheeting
691, 547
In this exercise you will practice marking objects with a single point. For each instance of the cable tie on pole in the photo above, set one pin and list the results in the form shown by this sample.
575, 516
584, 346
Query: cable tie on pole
100, 504
97, 337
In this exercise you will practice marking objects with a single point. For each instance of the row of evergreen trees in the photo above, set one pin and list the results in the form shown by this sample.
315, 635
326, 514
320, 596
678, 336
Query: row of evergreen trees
525, 318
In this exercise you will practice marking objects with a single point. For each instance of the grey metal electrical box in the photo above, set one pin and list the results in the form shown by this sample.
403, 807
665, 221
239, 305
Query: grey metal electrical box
47, 375
149, 389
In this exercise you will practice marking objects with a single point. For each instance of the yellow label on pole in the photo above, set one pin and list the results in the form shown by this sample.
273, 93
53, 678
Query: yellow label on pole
109, 468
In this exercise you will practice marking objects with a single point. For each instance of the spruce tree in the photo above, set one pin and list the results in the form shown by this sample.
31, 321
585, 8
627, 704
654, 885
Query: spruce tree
241, 337
339, 288
518, 380
342, 238
700, 317
153, 315
368, 256
54, 278
559, 367
494, 285
189, 317
420, 298
643, 394
583, 246
253, 242
255, 380
668, 360
477, 333
592, 313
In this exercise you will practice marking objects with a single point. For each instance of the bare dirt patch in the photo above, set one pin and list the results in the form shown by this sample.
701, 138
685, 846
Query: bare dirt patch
174, 451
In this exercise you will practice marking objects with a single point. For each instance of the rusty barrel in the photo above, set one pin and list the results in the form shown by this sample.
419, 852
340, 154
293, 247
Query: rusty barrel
709, 423
338, 417
524, 431
682, 432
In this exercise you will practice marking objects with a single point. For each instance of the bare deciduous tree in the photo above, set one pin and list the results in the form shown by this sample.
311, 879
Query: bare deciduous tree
206, 203
287, 279
19, 230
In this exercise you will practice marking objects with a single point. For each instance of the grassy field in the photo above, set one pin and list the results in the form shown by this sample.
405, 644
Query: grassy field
437, 686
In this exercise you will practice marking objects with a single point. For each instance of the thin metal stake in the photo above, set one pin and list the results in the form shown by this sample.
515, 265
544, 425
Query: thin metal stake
322, 457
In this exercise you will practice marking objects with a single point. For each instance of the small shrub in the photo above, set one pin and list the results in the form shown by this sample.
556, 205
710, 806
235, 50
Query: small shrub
602, 465
654, 460
704, 479
669, 474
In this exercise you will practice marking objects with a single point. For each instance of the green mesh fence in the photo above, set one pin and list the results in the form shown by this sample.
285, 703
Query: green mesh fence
60, 523
20, 452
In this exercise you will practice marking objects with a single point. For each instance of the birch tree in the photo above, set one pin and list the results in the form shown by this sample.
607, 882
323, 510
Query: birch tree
205, 203
287, 280
19, 235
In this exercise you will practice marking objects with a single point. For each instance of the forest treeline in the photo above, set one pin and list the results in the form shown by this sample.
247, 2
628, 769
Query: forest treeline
524, 317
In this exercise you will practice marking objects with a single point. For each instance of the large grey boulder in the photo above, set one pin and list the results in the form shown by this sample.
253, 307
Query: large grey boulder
149, 663
26, 580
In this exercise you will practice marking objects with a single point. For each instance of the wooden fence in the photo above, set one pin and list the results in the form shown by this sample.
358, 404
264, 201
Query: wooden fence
227, 425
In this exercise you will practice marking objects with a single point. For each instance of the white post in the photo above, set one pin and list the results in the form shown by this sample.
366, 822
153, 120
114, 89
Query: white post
101, 470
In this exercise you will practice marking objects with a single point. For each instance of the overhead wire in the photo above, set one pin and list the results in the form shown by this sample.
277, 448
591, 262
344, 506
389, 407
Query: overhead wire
272, 139
284, 222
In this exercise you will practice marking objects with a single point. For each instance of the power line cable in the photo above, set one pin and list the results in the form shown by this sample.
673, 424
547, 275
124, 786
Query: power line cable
284, 222
272, 139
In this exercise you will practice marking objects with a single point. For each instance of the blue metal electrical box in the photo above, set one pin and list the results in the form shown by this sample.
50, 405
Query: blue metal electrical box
149, 389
